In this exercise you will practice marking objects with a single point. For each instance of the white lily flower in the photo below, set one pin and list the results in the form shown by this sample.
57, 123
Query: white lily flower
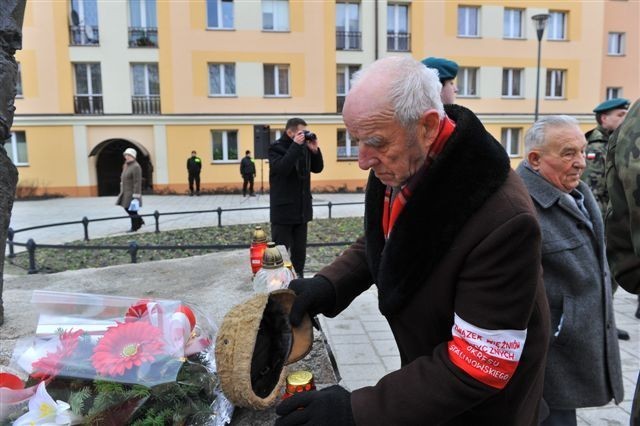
43, 410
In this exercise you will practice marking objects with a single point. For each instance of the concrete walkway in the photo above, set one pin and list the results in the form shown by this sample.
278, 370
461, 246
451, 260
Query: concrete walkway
360, 337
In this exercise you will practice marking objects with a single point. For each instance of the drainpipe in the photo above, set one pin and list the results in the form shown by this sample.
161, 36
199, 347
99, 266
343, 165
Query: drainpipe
375, 52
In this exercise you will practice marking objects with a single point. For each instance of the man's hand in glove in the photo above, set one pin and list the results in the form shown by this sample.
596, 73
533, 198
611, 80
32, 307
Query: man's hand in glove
314, 296
330, 406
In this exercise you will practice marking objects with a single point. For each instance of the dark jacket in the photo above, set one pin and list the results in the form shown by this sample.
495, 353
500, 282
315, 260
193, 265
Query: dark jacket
583, 365
194, 165
466, 246
290, 168
247, 168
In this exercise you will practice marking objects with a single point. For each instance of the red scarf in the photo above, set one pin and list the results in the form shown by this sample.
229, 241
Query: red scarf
391, 212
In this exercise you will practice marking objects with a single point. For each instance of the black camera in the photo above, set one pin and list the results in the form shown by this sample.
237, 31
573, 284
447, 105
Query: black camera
309, 136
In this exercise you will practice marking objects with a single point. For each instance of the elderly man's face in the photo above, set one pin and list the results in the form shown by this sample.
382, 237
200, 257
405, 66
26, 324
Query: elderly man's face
562, 160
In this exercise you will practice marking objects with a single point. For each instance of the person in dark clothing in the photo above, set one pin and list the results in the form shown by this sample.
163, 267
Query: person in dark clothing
248, 172
292, 159
194, 165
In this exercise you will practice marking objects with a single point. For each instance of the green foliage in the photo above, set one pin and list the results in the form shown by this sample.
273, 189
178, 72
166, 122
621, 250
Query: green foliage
78, 400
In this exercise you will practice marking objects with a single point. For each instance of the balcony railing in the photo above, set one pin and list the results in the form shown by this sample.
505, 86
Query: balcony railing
398, 42
84, 35
88, 104
348, 40
340, 103
143, 37
145, 105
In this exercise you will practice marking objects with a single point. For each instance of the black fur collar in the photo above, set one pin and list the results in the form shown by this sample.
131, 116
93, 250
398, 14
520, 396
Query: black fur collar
472, 166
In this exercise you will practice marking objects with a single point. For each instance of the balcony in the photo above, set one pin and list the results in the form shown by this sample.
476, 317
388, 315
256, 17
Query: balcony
348, 40
84, 35
145, 105
143, 37
398, 42
88, 104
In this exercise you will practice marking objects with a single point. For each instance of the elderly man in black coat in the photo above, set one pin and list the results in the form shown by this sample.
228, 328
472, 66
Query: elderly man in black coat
292, 159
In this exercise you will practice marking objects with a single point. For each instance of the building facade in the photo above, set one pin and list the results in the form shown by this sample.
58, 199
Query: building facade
169, 77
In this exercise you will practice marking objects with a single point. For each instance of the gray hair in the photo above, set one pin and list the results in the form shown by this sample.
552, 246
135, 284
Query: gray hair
413, 88
534, 138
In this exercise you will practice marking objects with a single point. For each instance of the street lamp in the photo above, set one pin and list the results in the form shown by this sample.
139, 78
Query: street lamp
540, 22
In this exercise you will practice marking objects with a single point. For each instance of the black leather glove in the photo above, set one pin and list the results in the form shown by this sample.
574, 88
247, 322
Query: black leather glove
330, 406
314, 296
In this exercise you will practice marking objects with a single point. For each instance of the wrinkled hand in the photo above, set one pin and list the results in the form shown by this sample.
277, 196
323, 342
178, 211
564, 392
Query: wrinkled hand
314, 296
330, 406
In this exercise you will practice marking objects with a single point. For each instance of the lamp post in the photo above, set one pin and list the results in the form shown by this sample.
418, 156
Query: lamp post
540, 22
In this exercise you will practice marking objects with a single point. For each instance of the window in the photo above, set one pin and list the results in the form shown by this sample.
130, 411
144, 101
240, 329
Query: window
555, 83
84, 23
88, 86
510, 140
616, 44
467, 81
222, 79
512, 23
146, 89
143, 23
276, 80
348, 36
19, 81
468, 22
557, 26
225, 145
512, 82
16, 147
344, 75
275, 15
220, 14
346, 150
398, 28
614, 92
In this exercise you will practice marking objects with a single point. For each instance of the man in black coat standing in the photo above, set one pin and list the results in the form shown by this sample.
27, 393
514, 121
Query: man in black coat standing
194, 165
248, 172
292, 159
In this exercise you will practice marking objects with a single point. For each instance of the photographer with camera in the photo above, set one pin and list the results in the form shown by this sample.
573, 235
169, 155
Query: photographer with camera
292, 159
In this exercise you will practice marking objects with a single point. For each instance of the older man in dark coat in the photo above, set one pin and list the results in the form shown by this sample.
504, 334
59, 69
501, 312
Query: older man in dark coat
583, 365
453, 245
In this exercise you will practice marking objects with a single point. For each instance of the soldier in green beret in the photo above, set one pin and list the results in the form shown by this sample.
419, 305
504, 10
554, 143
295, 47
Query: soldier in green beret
447, 72
622, 226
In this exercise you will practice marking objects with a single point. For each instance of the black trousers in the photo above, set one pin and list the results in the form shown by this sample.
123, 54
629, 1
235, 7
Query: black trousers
194, 177
560, 418
294, 237
247, 179
136, 219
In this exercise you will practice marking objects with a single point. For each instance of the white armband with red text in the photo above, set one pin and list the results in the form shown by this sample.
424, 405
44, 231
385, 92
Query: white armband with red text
489, 356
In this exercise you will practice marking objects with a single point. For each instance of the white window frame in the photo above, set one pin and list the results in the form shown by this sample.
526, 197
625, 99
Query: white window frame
507, 141
143, 15
277, 69
557, 18
87, 68
614, 92
510, 82
349, 146
147, 80
510, 14
220, 25
554, 73
346, 24
274, 13
616, 44
223, 83
345, 69
11, 145
19, 88
225, 146
465, 31
463, 80
396, 25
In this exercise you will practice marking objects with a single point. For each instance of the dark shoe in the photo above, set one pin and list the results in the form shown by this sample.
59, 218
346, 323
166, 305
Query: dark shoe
623, 335
191, 194
252, 195
198, 194
638, 310
131, 230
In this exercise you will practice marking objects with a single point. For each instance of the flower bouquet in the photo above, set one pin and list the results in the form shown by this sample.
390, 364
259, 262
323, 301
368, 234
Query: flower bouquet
115, 360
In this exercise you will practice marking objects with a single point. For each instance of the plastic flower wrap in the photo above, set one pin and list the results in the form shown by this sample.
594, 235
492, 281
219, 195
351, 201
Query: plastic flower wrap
117, 360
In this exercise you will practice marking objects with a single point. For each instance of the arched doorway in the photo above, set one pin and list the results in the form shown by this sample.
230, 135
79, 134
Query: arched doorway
109, 163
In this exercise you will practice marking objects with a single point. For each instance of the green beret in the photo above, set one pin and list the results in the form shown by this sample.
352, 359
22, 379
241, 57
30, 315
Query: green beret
447, 70
615, 103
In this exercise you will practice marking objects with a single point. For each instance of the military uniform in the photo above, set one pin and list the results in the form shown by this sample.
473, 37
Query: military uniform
593, 174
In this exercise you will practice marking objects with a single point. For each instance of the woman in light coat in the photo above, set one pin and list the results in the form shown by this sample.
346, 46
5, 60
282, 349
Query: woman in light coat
130, 197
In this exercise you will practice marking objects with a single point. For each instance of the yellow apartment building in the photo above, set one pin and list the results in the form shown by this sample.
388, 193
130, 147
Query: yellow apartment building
171, 76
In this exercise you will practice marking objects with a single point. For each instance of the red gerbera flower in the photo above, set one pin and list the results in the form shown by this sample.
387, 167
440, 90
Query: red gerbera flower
51, 364
127, 345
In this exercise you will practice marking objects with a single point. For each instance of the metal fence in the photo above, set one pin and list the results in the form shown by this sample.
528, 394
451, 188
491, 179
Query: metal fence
133, 247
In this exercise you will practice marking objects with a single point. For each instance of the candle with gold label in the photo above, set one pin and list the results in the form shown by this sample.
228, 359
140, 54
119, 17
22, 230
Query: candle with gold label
299, 381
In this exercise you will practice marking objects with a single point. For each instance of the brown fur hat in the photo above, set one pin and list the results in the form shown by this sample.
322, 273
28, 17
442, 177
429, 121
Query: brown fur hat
254, 343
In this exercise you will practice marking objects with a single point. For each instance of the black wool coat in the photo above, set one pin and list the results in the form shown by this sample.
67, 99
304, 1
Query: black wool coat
290, 168
465, 250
